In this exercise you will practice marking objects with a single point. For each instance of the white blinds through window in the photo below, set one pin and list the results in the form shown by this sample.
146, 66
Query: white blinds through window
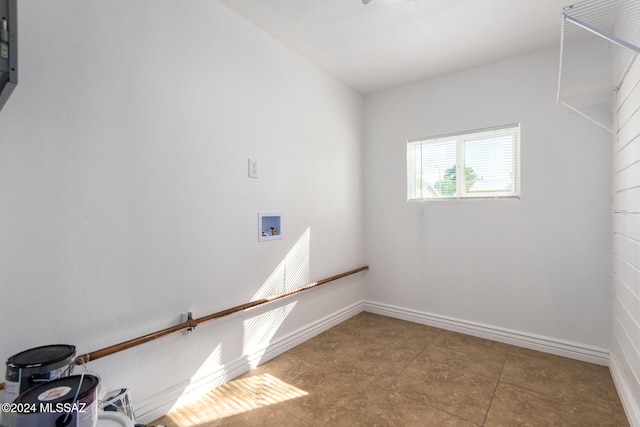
484, 163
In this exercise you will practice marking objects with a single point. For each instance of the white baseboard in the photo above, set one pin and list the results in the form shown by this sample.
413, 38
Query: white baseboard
621, 376
160, 403
531, 341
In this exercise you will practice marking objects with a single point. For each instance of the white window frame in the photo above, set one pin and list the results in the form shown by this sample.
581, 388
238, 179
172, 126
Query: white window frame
460, 139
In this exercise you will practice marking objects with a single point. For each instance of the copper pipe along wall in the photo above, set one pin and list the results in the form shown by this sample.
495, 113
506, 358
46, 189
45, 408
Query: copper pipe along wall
192, 323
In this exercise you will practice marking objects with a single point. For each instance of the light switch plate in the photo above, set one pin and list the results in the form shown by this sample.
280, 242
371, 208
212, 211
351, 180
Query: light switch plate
254, 172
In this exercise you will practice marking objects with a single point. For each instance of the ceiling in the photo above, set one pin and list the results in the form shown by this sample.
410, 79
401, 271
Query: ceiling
389, 43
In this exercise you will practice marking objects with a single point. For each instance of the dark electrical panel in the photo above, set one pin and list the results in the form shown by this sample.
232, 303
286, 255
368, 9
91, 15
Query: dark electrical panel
8, 49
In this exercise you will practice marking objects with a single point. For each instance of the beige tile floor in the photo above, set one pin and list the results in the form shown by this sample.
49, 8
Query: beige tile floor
378, 371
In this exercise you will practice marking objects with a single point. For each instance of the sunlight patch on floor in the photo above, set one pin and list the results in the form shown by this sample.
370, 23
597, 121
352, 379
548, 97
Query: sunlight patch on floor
234, 398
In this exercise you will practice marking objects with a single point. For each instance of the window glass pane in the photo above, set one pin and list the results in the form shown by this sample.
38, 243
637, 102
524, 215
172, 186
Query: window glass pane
437, 166
476, 164
490, 164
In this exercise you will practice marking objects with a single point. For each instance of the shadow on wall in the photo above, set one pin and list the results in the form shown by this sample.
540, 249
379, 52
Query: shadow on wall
259, 327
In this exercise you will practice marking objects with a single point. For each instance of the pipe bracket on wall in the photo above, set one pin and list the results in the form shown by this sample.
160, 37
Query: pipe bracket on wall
8, 49
188, 319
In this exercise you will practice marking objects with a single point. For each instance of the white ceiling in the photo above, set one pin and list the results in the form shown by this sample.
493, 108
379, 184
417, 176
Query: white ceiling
389, 43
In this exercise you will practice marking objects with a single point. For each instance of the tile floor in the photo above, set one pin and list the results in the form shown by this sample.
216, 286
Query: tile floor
377, 371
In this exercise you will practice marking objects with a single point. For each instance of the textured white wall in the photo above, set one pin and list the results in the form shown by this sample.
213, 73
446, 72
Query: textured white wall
625, 353
124, 196
538, 266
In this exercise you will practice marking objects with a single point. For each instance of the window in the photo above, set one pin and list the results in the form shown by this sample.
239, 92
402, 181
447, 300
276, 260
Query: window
476, 164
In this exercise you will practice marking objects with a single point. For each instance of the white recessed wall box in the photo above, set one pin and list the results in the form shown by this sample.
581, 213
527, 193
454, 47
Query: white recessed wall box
8, 49
269, 226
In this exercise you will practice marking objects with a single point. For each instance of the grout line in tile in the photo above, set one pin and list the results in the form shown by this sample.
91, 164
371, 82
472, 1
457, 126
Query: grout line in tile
410, 362
493, 396
438, 409
424, 352
297, 418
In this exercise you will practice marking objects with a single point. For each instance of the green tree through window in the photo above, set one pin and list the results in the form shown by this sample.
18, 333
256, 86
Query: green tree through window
447, 185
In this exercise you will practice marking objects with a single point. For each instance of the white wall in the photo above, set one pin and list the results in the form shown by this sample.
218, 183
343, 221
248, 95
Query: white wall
124, 196
625, 353
533, 271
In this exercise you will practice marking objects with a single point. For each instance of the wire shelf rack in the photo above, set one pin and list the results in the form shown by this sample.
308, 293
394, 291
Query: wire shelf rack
600, 41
